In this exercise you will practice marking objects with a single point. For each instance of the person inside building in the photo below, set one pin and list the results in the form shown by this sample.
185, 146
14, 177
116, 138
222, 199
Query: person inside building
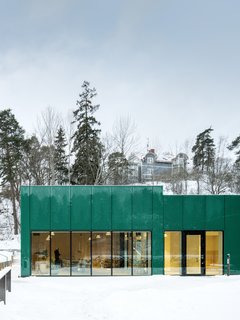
57, 254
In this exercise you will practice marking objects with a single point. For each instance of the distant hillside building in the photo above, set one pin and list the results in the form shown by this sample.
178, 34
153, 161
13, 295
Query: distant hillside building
151, 168
180, 162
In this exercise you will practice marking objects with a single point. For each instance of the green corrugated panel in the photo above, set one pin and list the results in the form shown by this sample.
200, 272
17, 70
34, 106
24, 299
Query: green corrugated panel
194, 212
25, 233
60, 208
40, 207
81, 207
157, 231
232, 232
142, 208
173, 212
122, 208
214, 212
101, 208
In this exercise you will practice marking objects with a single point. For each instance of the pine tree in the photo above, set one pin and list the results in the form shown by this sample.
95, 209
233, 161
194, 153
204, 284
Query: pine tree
118, 168
35, 165
86, 142
204, 151
31, 163
204, 155
60, 157
235, 145
11, 152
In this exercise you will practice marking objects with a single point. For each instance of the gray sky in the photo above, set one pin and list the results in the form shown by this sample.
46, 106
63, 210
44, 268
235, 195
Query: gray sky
172, 65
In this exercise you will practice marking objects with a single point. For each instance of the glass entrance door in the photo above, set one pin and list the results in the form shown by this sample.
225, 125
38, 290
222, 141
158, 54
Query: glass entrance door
193, 253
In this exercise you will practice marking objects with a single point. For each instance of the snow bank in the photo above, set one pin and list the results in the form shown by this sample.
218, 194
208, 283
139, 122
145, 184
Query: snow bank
117, 298
5, 256
13, 244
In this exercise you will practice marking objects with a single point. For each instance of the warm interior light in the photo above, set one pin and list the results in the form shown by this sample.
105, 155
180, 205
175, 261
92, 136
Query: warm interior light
52, 233
98, 236
89, 239
108, 233
48, 238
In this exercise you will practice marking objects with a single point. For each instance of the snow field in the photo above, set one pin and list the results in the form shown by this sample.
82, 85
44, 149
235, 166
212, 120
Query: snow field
117, 298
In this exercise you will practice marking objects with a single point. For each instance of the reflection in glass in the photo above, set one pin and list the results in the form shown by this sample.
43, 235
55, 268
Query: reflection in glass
193, 254
40, 253
172, 252
60, 253
141, 253
101, 253
214, 249
81, 253
122, 253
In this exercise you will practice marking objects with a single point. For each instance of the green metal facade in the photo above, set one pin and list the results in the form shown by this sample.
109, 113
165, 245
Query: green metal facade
127, 208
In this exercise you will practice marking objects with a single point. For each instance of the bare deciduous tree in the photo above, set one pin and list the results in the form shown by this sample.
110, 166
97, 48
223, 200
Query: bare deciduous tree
124, 143
219, 176
47, 126
124, 136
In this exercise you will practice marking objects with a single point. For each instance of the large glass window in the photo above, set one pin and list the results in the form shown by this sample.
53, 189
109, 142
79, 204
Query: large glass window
122, 253
141, 253
40, 253
81, 253
214, 253
60, 253
101, 253
172, 252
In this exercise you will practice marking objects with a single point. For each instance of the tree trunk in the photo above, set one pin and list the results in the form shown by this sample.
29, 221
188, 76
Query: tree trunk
14, 213
198, 185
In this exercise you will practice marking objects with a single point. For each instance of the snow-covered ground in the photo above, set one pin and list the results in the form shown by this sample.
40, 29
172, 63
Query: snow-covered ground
13, 244
5, 256
118, 298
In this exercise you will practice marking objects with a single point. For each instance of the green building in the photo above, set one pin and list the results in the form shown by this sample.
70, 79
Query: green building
127, 230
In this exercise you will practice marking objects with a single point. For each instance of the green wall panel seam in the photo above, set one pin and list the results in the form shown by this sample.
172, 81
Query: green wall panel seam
182, 205
205, 212
111, 206
70, 206
91, 194
132, 208
50, 209
152, 212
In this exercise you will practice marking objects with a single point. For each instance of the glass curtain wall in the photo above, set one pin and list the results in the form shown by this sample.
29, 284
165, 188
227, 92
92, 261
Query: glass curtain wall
40, 253
214, 253
122, 253
141, 253
84, 253
60, 253
81, 253
101, 253
172, 253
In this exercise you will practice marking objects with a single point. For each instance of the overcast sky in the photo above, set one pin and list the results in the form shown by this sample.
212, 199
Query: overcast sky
172, 66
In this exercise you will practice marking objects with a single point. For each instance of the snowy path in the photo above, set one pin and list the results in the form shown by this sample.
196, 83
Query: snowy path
118, 298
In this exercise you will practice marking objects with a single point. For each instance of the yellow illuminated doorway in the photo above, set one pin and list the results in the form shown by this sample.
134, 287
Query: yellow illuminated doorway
193, 253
